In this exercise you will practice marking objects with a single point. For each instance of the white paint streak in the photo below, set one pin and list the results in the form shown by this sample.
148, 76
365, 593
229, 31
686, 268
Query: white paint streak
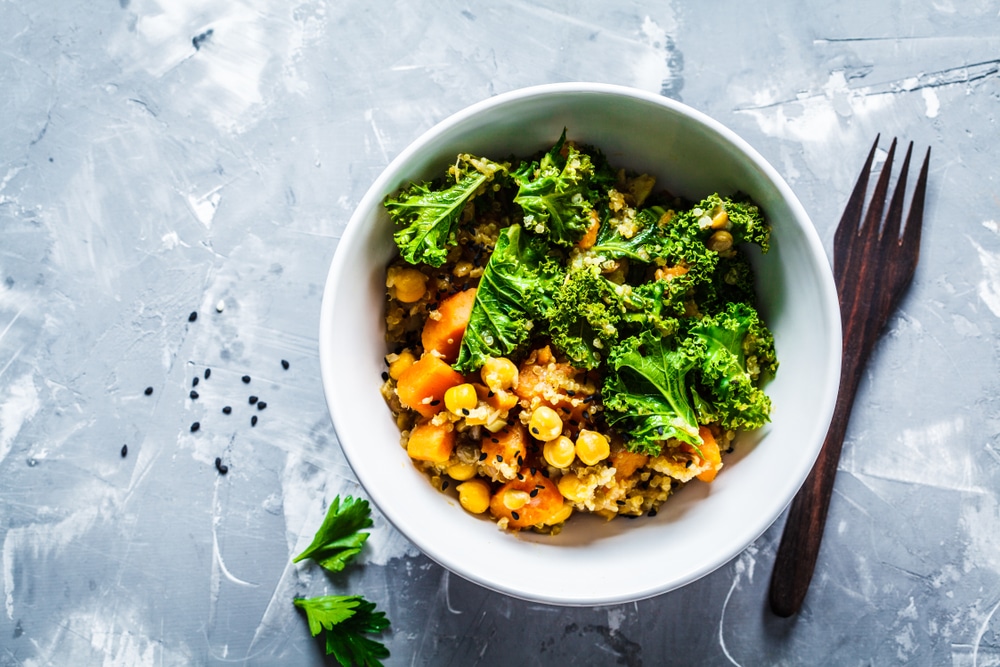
205, 206
19, 405
933, 104
745, 565
988, 288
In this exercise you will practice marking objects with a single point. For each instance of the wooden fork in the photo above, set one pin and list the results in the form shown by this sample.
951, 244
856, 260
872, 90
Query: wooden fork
873, 265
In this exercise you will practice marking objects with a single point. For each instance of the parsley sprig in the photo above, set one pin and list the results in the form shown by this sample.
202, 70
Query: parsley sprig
344, 620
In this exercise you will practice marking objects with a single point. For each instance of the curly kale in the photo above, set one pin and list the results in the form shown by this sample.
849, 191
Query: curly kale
738, 349
426, 215
584, 316
516, 290
646, 391
558, 193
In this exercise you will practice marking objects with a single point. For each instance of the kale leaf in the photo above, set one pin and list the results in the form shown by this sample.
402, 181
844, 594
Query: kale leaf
584, 316
514, 293
426, 215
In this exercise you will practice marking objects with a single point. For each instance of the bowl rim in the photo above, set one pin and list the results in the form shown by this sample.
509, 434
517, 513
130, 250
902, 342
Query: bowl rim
390, 175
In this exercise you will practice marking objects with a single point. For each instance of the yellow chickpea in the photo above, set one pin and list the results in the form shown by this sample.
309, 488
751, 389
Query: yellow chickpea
460, 399
410, 284
559, 452
403, 360
499, 373
592, 447
545, 424
461, 472
474, 496
572, 488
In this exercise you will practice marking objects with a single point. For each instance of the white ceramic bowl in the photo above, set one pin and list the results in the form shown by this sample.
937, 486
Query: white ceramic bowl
704, 525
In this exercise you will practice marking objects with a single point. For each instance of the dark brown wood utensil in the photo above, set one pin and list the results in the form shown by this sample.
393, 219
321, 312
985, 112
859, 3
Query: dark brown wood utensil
873, 264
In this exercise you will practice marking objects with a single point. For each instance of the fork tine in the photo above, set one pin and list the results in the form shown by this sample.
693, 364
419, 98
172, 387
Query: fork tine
851, 217
890, 228
872, 223
914, 221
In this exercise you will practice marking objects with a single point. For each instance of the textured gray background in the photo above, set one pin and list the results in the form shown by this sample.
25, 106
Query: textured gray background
160, 156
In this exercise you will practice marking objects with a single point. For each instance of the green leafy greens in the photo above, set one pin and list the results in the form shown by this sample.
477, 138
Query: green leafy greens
344, 620
339, 539
659, 304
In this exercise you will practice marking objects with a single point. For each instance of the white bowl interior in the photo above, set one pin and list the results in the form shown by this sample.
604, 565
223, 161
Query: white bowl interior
703, 526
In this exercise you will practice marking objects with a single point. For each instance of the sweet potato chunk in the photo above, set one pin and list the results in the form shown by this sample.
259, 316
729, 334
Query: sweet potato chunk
421, 387
431, 442
444, 334
527, 501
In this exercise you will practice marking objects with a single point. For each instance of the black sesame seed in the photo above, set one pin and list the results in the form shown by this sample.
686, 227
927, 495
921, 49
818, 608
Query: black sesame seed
435, 402
195, 426
515, 516
444, 485
652, 512
533, 471
520, 460
253, 420
193, 395
149, 391
226, 410
534, 430
194, 381
494, 440
533, 493
208, 373
490, 394
285, 364
545, 472
499, 458
520, 477
261, 405
124, 451
252, 400
193, 316
482, 457
385, 376
223, 469
465, 412
246, 379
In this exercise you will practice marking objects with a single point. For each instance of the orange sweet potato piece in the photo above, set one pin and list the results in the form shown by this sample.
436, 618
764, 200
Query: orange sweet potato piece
509, 443
444, 335
710, 452
431, 442
421, 387
541, 497
590, 236
626, 462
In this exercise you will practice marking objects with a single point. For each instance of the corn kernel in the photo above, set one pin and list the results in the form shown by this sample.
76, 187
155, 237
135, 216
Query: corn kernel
592, 447
545, 423
474, 495
499, 373
461, 471
410, 284
572, 488
404, 360
720, 241
514, 499
559, 452
460, 399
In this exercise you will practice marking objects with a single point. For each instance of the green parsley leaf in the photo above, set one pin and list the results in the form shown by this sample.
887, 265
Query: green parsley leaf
344, 620
339, 539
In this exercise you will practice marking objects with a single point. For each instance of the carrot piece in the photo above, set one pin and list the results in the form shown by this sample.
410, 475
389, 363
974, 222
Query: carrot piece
626, 462
431, 442
444, 335
527, 501
710, 451
421, 387
508, 443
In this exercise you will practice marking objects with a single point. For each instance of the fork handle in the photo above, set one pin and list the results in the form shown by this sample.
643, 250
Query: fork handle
799, 547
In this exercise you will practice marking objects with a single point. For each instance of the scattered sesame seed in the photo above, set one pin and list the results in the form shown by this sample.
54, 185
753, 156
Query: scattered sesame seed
193, 316
222, 468
515, 516
465, 411
246, 379
444, 485
652, 512
533, 492
261, 405
124, 451
385, 376
285, 364
193, 394
253, 420
149, 391
208, 373
195, 426
435, 402
194, 381
482, 457
252, 399
226, 410
499, 458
